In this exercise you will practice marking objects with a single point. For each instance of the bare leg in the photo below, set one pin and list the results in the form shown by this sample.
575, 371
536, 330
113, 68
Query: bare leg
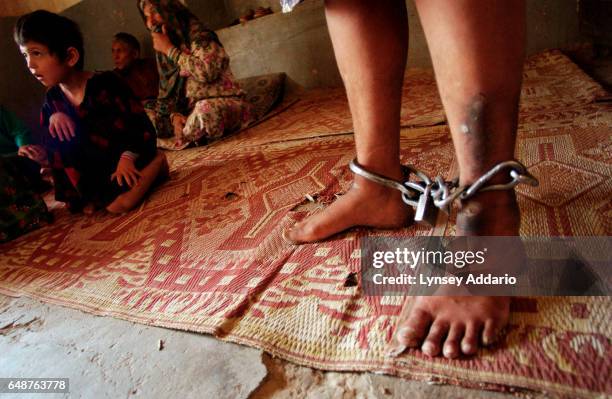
370, 41
477, 50
128, 200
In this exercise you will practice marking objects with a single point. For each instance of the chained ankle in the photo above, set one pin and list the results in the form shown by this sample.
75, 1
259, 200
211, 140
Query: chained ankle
429, 196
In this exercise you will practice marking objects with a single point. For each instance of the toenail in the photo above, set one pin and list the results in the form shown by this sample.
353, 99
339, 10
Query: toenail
405, 332
428, 348
404, 336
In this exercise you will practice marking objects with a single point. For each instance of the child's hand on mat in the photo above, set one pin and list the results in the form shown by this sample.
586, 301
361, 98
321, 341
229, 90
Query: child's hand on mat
35, 152
61, 126
161, 41
126, 172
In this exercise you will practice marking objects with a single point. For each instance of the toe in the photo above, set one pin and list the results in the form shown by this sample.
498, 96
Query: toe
413, 330
469, 344
287, 236
317, 227
433, 342
297, 234
453, 340
490, 332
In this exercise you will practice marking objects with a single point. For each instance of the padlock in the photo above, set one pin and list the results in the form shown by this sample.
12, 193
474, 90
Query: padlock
426, 212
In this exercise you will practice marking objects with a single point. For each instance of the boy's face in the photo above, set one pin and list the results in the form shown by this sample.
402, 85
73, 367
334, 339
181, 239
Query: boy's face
45, 67
123, 54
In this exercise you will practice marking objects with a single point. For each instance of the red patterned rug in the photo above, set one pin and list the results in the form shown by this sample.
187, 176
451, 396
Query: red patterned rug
204, 252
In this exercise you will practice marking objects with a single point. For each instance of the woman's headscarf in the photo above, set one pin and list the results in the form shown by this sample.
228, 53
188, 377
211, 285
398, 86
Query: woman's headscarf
183, 28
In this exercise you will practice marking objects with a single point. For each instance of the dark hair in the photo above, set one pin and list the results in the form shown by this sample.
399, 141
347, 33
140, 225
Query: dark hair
54, 31
128, 39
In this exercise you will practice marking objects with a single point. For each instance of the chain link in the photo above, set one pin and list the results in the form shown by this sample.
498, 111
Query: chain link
444, 192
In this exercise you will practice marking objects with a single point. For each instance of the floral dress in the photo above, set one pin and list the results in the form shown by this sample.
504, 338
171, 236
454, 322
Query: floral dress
216, 101
195, 81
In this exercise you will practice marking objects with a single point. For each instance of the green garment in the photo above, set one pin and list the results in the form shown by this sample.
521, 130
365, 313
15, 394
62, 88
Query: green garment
13, 133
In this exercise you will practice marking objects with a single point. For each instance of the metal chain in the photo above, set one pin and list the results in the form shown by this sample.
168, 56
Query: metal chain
444, 192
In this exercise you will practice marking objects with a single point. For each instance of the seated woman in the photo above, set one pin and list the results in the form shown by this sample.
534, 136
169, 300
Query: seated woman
100, 143
199, 99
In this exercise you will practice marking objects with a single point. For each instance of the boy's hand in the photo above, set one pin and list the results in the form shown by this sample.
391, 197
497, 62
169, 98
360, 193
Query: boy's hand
61, 126
35, 152
161, 41
126, 172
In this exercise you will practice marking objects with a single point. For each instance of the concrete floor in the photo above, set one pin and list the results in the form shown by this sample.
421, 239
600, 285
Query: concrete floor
109, 358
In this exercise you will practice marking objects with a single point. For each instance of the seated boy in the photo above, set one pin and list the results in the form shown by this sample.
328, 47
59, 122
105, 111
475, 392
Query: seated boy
101, 145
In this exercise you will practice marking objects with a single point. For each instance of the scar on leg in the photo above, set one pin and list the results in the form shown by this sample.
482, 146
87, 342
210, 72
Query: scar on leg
474, 116
474, 128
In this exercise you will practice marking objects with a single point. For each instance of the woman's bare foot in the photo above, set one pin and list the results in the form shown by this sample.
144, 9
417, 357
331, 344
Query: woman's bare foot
454, 325
365, 204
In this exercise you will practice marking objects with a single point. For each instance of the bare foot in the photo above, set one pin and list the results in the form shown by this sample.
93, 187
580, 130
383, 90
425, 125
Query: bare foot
118, 206
365, 204
128, 200
454, 325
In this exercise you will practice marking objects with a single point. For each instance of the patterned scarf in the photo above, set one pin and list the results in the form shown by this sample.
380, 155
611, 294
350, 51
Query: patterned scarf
183, 29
